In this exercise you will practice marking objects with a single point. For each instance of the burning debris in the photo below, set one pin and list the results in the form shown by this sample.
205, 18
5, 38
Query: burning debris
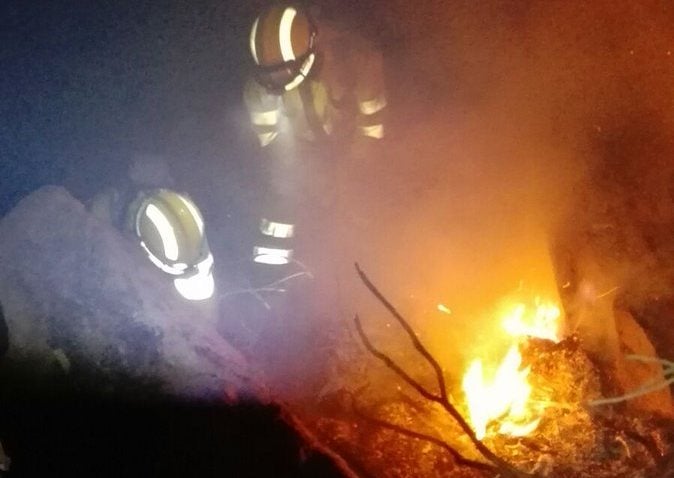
506, 397
534, 413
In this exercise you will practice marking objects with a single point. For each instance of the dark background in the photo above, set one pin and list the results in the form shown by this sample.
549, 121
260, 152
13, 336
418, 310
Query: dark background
85, 86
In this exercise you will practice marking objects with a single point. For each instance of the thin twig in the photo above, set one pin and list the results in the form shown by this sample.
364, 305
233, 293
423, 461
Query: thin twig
338, 461
458, 458
505, 468
270, 287
647, 359
413, 336
390, 363
645, 389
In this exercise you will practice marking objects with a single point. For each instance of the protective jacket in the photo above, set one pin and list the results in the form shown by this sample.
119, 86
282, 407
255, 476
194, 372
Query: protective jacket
337, 98
343, 98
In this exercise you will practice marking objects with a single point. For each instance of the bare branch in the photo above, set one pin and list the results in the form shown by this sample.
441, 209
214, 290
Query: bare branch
415, 340
458, 458
388, 361
505, 468
344, 467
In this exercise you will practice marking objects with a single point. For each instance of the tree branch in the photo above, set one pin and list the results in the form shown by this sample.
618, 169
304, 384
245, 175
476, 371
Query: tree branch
410, 333
344, 467
390, 363
458, 458
504, 467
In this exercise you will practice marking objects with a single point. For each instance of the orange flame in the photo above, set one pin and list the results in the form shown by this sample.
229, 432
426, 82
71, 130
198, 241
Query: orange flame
541, 321
504, 397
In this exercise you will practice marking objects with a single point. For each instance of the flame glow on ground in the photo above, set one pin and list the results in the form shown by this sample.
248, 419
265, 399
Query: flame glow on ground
501, 394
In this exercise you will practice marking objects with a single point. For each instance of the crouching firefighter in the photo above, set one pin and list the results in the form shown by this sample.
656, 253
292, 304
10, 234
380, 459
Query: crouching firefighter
317, 93
169, 227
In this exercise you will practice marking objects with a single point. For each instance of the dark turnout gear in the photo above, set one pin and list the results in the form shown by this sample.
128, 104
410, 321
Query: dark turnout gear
313, 85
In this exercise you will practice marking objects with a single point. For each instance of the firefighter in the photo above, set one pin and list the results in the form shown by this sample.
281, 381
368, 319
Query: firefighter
166, 224
170, 228
316, 93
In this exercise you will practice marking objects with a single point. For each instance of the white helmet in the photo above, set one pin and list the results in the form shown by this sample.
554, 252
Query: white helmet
171, 230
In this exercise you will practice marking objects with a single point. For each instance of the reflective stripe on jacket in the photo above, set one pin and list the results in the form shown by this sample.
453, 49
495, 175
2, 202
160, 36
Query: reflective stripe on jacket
345, 96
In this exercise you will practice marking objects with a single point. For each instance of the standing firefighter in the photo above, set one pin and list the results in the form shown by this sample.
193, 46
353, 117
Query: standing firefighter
316, 96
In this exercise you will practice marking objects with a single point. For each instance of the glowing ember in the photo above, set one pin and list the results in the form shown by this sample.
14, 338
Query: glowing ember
444, 309
503, 395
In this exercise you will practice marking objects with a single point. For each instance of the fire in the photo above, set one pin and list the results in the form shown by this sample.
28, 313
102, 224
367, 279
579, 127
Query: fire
542, 322
503, 396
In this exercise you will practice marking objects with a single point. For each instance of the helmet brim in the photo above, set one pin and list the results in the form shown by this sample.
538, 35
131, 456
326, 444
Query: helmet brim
197, 287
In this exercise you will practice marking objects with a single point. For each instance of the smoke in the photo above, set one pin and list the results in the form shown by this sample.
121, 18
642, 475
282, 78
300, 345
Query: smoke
517, 128
514, 126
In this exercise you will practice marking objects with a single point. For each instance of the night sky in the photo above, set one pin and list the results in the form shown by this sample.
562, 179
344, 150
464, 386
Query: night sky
84, 86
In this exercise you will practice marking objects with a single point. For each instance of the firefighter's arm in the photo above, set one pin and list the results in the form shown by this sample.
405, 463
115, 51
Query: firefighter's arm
263, 109
371, 95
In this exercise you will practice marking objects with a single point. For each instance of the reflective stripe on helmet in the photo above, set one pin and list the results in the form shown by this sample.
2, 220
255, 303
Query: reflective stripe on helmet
276, 229
281, 40
285, 34
271, 255
372, 106
170, 229
175, 269
253, 41
294, 83
373, 131
304, 72
166, 232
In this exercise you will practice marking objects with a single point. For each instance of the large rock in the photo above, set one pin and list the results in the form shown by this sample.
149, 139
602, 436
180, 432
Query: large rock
79, 293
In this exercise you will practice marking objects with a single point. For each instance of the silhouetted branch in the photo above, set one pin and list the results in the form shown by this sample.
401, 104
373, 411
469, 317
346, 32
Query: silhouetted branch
336, 460
415, 340
458, 458
392, 365
504, 467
